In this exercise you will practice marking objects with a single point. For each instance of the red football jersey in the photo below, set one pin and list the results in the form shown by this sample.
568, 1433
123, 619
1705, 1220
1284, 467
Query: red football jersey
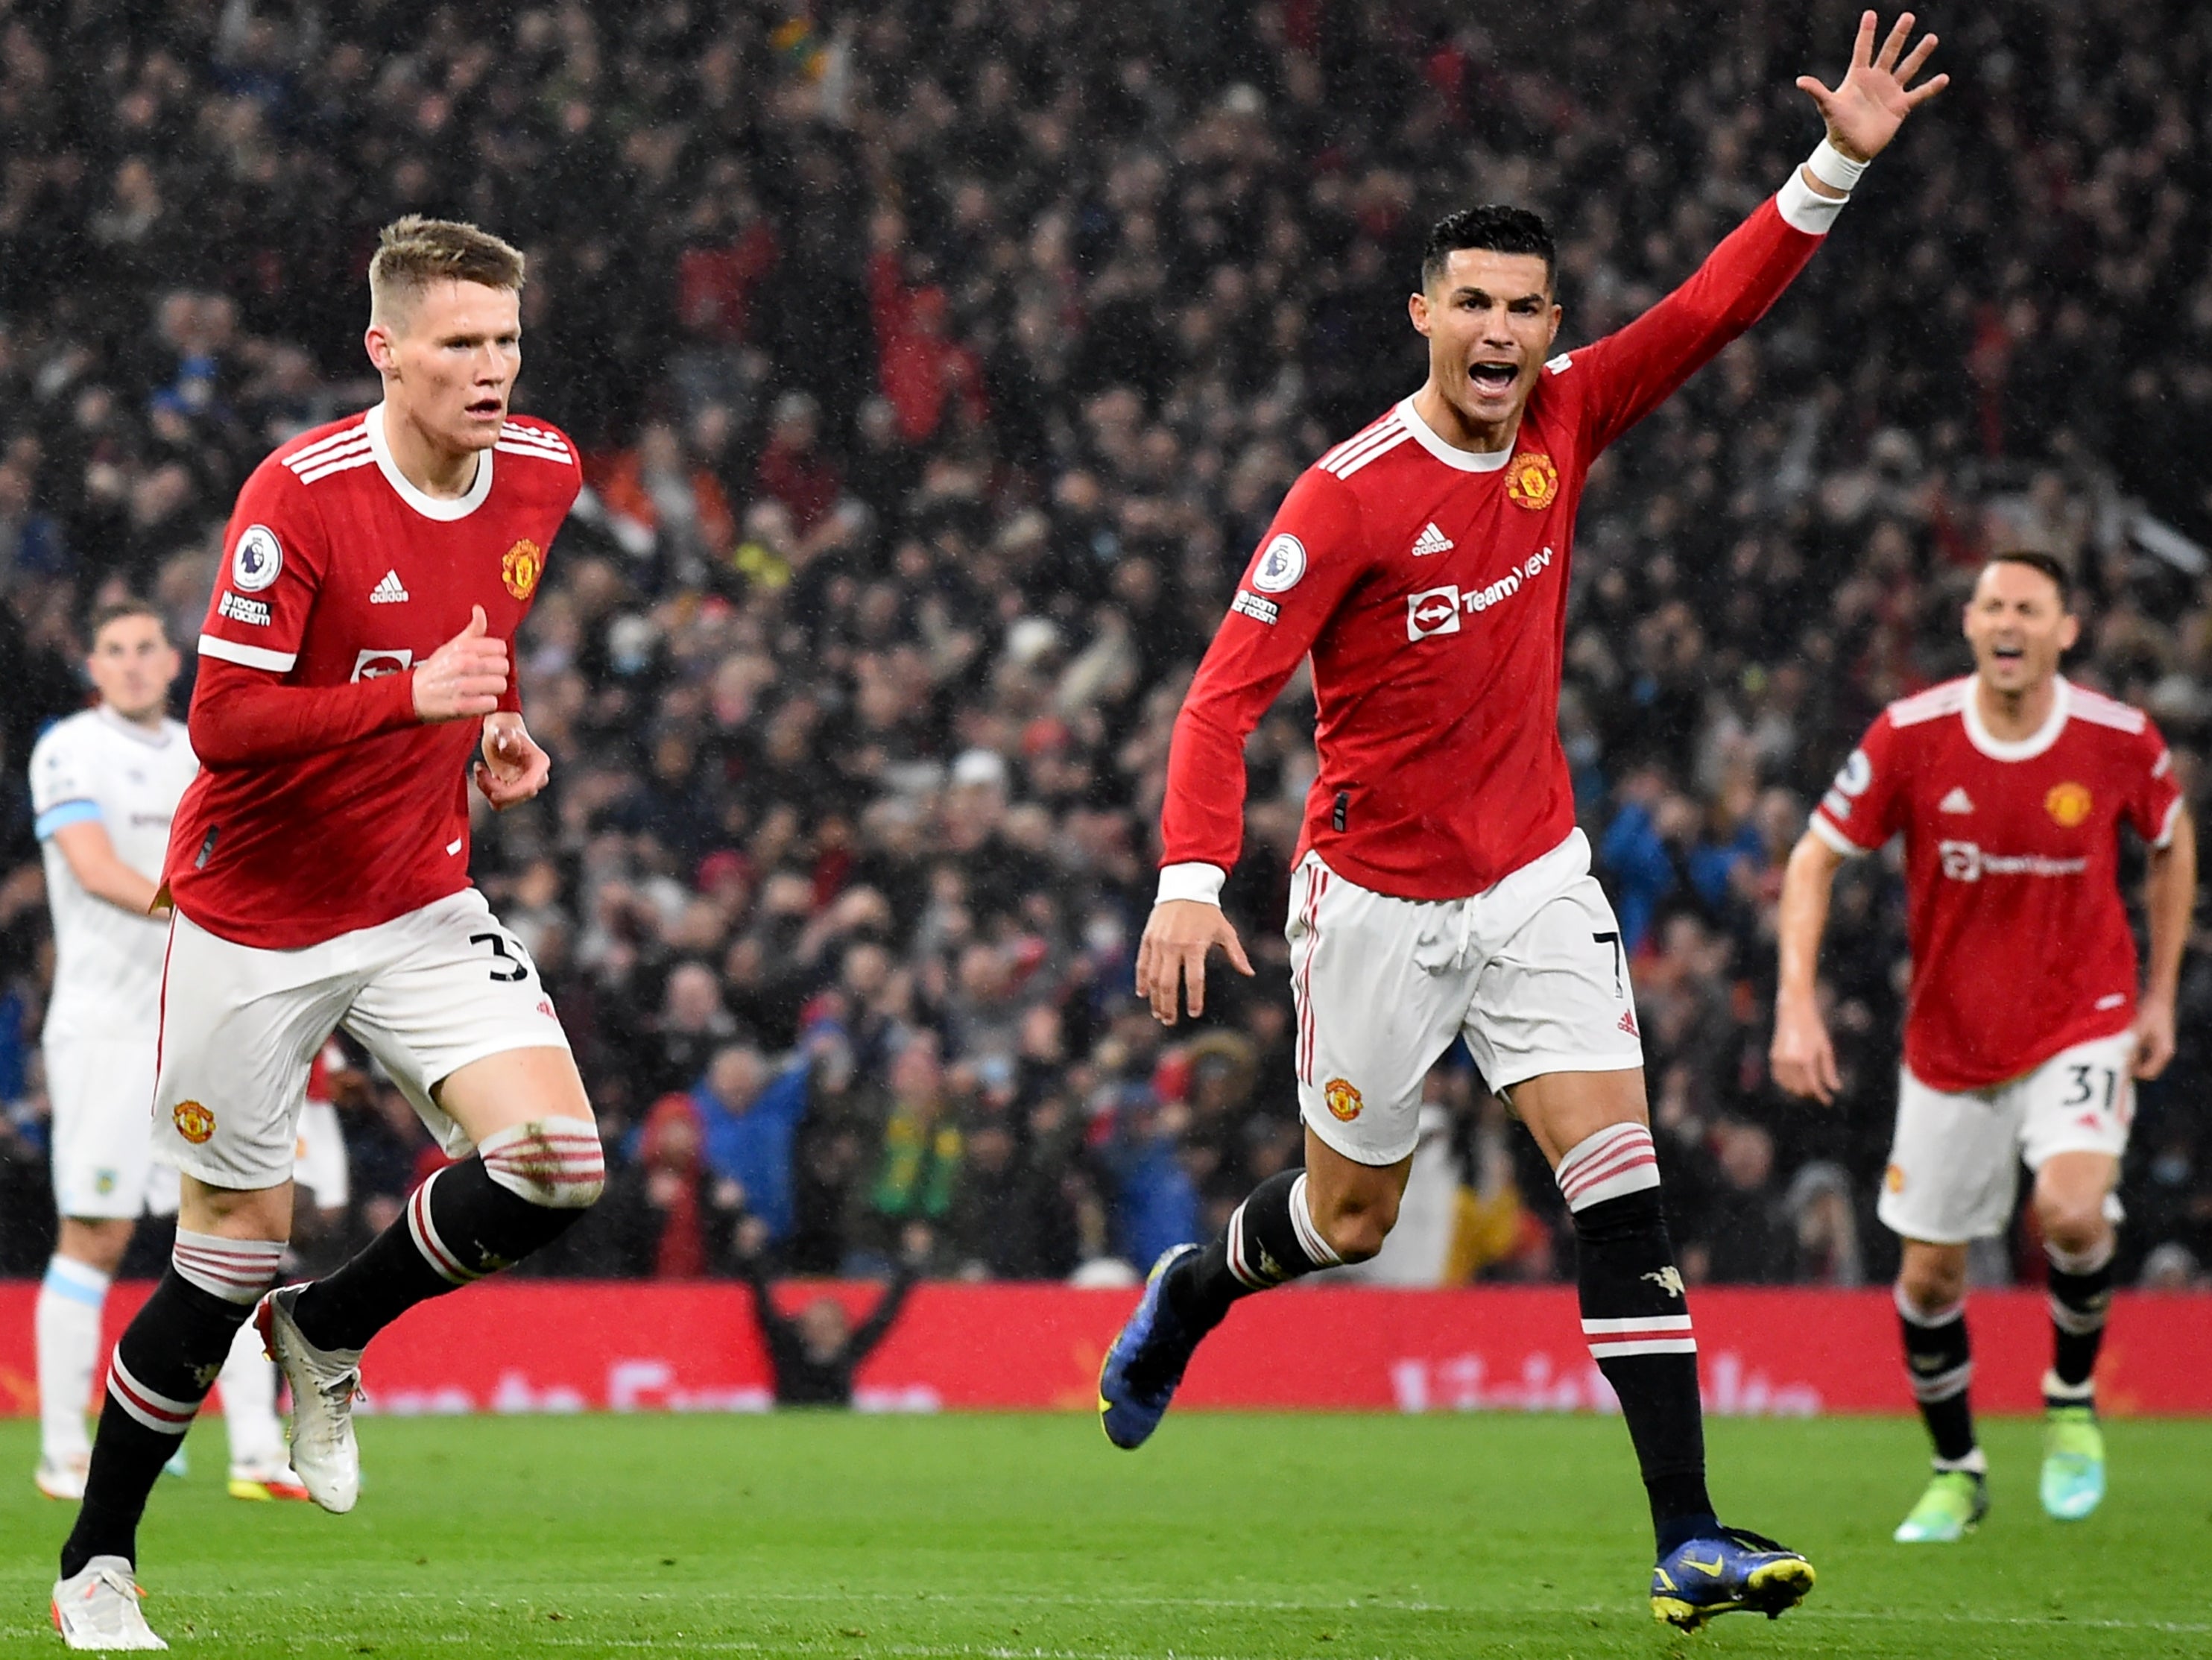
1430, 585
336, 569
2021, 946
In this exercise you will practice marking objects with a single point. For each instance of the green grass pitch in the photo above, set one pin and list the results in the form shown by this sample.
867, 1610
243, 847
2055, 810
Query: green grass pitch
1230, 1537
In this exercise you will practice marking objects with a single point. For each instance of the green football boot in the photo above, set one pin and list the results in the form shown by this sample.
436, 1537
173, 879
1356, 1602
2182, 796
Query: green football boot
2072, 1463
1956, 1500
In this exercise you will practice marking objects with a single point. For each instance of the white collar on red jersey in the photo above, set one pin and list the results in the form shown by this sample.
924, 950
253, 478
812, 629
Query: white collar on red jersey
430, 507
1465, 460
2020, 749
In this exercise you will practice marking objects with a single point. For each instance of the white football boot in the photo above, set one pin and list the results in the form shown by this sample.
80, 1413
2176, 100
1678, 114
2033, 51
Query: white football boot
324, 1383
63, 1478
97, 1607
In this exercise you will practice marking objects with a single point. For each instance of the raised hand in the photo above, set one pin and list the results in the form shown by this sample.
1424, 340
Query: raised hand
1171, 958
463, 677
1865, 109
514, 768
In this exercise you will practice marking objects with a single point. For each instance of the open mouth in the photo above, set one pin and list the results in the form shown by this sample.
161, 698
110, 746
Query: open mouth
2009, 653
1493, 379
487, 408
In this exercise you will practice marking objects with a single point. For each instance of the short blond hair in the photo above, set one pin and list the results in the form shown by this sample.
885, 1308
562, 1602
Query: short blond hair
413, 253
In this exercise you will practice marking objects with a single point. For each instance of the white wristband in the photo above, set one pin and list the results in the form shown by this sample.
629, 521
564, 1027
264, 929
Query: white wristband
1833, 167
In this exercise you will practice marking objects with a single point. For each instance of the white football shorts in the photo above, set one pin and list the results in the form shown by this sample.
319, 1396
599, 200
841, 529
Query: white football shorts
1530, 972
102, 1090
1955, 1161
426, 994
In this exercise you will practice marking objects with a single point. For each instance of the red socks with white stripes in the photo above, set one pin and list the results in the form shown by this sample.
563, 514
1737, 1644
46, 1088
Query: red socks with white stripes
1635, 1319
1271, 1238
164, 1365
518, 1192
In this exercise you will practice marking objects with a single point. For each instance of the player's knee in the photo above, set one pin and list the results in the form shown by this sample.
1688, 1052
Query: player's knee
1355, 1223
2073, 1223
556, 1162
1929, 1285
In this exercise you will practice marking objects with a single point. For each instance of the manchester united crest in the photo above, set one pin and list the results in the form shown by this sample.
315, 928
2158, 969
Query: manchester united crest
521, 570
1343, 1100
2067, 804
193, 1121
1532, 481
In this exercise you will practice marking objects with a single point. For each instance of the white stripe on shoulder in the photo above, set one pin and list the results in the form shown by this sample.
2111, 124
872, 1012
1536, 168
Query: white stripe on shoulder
512, 432
1359, 440
527, 430
323, 458
560, 456
1373, 452
1933, 704
2102, 711
344, 463
551, 445
304, 456
357, 439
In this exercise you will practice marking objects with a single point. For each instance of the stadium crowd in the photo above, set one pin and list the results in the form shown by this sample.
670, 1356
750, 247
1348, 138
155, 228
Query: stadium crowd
938, 365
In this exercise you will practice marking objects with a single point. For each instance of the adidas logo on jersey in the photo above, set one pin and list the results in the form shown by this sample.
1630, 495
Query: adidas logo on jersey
388, 592
1431, 540
1957, 801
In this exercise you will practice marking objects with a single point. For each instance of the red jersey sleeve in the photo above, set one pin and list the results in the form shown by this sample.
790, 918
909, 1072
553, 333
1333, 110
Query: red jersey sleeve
2155, 801
1634, 370
273, 558
242, 713
1309, 561
1864, 807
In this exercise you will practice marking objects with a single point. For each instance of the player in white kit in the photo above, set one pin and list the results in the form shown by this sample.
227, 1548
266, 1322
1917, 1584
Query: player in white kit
105, 784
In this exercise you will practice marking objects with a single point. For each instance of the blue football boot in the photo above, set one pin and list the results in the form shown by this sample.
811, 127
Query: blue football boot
1732, 1569
1146, 1363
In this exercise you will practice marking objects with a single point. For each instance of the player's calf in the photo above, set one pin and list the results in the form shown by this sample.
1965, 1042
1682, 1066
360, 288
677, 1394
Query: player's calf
163, 1367
521, 1189
1636, 1319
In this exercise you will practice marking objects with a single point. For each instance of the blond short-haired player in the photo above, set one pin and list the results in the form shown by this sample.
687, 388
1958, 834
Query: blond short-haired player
353, 677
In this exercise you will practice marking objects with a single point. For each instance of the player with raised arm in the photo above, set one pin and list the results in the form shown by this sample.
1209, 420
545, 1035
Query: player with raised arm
1441, 888
104, 785
354, 656
2024, 1030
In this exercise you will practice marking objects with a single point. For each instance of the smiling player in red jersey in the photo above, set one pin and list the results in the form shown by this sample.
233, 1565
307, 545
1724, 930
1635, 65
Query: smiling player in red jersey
2023, 1034
353, 659
1442, 889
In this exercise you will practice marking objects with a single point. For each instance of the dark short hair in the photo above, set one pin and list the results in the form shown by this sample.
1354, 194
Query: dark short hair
1495, 228
2049, 564
116, 609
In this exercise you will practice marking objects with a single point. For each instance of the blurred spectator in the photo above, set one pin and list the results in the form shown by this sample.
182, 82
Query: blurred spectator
814, 1353
667, 1215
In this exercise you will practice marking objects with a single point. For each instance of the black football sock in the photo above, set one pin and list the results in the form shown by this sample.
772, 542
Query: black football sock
1271, 1238
1635, 1319
518, 1192
2081, 1295
1941, 1364
164, 1365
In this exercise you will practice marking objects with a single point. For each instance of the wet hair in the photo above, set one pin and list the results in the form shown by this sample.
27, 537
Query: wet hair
116, 609
413, 253
1494, 228
2049, 564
